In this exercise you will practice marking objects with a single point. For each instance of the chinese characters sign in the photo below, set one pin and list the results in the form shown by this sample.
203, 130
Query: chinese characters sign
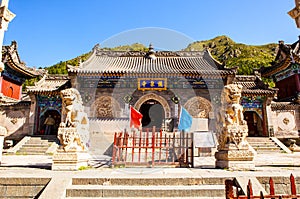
152, 83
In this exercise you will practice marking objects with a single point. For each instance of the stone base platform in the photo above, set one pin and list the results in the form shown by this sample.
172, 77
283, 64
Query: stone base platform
69, 161
235, 159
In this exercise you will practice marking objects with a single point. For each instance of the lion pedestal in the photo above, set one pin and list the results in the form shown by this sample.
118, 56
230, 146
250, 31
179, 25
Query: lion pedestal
232, 130
235, 154
71, 155
73, 134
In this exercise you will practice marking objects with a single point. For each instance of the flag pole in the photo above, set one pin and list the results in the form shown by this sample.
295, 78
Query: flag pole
129, 118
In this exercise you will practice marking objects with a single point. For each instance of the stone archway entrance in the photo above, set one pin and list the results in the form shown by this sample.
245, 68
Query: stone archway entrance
157, 106
153, 114
153, 96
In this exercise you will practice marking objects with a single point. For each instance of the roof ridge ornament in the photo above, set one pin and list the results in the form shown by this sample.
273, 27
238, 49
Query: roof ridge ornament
295, 13
151, 52
96, 48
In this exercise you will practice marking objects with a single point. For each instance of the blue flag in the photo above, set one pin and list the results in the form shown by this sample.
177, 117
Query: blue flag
185, 120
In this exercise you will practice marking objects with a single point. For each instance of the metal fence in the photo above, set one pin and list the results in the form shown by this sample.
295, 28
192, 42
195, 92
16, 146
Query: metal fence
232, 191
151, 148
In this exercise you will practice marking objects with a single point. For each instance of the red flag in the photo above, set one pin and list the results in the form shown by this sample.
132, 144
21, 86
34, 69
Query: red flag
135, 118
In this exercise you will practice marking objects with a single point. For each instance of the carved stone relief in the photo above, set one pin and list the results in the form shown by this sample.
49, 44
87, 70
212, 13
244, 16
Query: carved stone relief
198, 107
106, 107
286, 121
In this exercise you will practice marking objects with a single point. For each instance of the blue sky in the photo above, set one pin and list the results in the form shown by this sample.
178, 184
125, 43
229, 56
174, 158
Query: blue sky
50, 31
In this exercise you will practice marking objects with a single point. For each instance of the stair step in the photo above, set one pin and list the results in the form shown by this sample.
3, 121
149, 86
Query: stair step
263, 145
38, 145
33, 150
147, 197
269, 142
37, 142
257, 138
30, 153
148, 181
145, 191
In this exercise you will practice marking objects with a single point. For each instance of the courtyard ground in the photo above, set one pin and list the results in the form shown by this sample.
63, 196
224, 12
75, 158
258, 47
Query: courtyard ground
39, 166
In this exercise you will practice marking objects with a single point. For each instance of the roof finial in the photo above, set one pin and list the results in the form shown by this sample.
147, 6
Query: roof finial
151, 52
96, 47
151, 49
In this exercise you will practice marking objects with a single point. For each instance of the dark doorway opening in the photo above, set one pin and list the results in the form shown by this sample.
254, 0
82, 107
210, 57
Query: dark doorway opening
153, 114
254, 123
56, 116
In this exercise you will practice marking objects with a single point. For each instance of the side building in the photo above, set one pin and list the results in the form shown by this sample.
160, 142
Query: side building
15, 105
285, 71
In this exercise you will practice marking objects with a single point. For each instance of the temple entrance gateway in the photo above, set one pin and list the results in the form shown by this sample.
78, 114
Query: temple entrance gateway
42, 126
153, 114
254, 123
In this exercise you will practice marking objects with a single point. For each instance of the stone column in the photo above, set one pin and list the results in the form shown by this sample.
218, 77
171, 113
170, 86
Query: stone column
5, 17
3, 133
32, 113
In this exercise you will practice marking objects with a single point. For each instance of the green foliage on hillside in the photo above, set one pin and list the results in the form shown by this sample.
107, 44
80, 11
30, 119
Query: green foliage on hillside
232, 54
132, 47
61, 67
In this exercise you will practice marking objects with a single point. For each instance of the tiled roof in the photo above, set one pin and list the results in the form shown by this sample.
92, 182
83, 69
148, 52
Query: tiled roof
10, 57
7, 101
284, 106
286, 54
160, 62
49, 83
253, 85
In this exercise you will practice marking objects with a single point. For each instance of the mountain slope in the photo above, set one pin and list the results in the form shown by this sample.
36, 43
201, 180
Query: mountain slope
246, 57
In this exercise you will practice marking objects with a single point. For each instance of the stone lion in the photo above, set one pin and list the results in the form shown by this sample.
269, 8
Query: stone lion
232, 108
73, 117
232, 128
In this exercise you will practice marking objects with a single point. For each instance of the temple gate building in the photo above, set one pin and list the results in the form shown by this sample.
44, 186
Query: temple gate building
157, 83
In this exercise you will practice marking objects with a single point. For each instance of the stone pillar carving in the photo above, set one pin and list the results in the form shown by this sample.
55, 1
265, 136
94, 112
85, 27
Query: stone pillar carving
73, 133
232, 130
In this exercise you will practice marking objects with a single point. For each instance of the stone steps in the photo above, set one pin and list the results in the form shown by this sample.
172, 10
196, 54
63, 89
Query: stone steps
264, 145
145, 191
149, 197
37, 145
135, 187
22, 187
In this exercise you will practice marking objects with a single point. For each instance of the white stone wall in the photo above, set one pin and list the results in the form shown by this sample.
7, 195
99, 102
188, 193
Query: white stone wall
102, 134
285, 123
15, 120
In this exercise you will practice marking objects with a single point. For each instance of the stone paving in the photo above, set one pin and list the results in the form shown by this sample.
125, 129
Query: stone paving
271, 164
262, 161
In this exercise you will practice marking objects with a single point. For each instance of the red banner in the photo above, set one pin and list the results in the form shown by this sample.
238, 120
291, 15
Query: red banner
135, 118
